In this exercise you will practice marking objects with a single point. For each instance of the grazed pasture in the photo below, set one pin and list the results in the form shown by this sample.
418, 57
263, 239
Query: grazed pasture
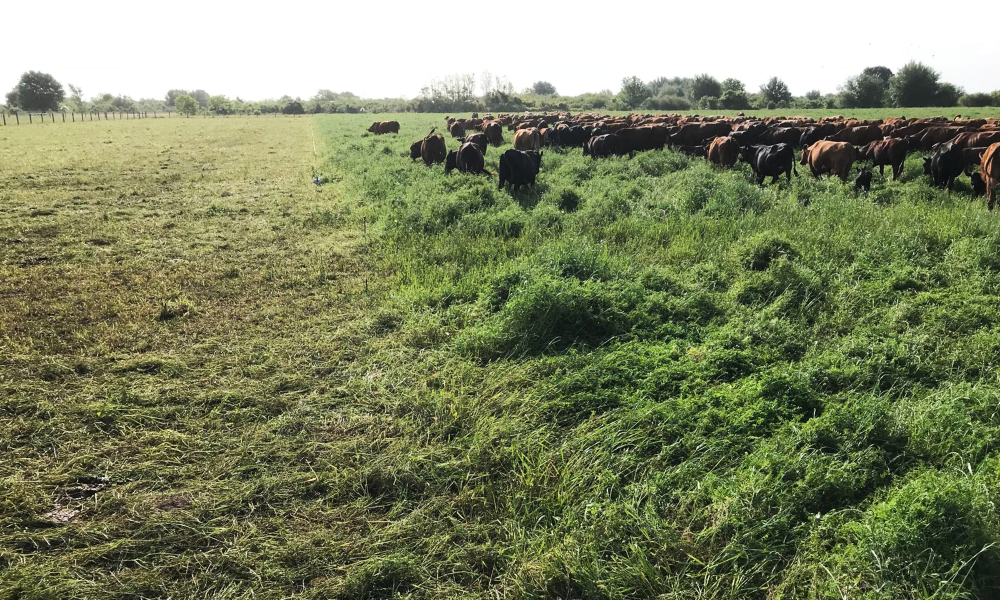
642, 378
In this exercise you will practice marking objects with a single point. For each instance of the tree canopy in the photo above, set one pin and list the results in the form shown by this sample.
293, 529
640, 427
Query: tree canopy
543, 88
37, 91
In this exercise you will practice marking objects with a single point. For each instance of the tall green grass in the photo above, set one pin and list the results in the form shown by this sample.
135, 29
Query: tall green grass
652, 378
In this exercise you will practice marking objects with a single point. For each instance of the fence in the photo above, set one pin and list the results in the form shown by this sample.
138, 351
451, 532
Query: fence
29, 118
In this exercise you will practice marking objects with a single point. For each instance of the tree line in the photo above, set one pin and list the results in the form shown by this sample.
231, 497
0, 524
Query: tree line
914, 84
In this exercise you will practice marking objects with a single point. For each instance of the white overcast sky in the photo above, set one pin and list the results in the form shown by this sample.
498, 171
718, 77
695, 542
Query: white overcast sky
390, 49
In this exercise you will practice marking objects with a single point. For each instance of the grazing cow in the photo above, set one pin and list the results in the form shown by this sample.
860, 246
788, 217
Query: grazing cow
945, 164
863, 182
699, 151
989, 170
467, 159
603, 145
781, 135
695, 134
519, 167
858, 136
723, 151
456, 129
972, 139
527, 139
891, 151
830, 157
769, 161
494, 133
646, 137
380, 127
931, 136
433, 149
750, 135
971, 157
813, 134
478, 139
978, 185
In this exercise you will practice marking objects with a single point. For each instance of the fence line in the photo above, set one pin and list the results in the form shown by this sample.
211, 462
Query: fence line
14, 117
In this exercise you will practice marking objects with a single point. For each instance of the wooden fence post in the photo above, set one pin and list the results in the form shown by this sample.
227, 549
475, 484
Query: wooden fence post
30, 121
4, 118
18, 117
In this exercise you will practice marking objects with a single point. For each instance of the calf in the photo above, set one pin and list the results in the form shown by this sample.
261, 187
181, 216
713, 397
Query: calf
863, 182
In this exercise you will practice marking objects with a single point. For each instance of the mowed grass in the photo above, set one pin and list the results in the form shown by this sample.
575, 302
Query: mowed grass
642, 378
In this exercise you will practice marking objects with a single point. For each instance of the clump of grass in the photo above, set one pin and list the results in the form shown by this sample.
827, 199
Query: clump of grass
175, 308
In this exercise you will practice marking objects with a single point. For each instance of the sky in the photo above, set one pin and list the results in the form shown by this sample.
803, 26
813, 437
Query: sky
392, 49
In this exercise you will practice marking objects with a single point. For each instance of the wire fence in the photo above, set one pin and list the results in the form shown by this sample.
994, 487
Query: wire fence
30, 118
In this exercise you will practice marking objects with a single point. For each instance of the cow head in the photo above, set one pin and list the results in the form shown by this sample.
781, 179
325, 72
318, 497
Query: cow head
805, 155
451, 161
415, 149
373, 127
927, 165
746, 153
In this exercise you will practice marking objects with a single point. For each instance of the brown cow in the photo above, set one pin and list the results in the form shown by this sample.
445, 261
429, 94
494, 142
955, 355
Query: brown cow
456, 129
830, 157
890, 151
859, 136
971, 139
433, 149
989, 170
527, 139
494, 133
724, 151
380, 127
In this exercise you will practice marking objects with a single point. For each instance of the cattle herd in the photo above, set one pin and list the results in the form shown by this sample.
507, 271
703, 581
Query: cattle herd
827, 145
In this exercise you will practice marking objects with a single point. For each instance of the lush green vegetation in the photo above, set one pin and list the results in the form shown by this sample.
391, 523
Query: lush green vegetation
642, 378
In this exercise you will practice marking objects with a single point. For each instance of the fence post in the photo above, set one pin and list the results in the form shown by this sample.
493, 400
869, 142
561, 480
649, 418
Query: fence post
4, 118
30, 121
18, 117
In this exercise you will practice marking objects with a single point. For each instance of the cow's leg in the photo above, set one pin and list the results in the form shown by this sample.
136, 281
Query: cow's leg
881, 170
991, 191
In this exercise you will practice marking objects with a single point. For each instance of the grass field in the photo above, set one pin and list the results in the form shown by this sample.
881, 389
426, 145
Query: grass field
643, 378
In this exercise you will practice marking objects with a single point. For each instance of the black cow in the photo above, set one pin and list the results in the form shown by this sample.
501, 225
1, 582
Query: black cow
863, 182
519, 167
693, 150
781, 135
478, 139
467, 159
812, 135
945, 164
750, 135
575, 135
603, 145
769, 161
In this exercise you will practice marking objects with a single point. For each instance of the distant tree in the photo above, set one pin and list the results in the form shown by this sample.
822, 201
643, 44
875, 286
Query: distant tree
543, 88
995, 98
673, 86
883, 74
915, 84
775, 91
201, 96
813, 95
76, 94
733, 99
948, 94
39, 91
633, 92
172, 96
13, 99
186, 105
975, 100
293, 108
733, 85
705, 85
863, 91
219, 105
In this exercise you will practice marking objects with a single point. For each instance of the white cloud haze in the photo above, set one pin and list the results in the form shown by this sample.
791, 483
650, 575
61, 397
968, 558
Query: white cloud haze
391, 49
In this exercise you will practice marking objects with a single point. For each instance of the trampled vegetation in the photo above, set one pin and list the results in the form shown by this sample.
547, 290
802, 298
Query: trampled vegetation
641, 378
